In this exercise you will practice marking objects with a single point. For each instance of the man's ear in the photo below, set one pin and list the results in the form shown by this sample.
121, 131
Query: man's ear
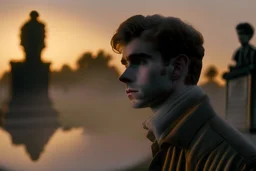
180, 64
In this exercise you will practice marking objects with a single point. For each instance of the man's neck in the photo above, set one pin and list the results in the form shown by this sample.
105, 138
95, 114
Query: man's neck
172, 108
172, 95
245, 45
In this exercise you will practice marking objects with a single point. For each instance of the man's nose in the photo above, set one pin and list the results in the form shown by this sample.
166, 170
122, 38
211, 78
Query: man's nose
126, 77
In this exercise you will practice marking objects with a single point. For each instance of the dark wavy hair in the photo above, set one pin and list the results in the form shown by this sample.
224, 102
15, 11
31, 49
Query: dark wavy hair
171, 37
246, 28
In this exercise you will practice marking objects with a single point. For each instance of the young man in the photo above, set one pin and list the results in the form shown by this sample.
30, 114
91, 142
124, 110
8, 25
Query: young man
246, 54
163, 60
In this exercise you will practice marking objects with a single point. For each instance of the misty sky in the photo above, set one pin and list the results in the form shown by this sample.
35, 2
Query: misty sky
74, 27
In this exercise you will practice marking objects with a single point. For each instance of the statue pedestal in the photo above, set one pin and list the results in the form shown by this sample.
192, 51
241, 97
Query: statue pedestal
241, 98
29, 91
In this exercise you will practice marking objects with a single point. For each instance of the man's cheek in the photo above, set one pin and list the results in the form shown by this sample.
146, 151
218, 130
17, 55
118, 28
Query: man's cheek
144, 78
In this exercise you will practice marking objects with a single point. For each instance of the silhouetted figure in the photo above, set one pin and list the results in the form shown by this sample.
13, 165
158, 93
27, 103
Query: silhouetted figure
246, 54
32, 38
241, 84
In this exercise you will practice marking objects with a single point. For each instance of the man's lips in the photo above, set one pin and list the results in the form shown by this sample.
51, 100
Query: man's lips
129, 91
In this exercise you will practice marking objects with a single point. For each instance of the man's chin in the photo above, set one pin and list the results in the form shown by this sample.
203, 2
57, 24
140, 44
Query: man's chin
137, 105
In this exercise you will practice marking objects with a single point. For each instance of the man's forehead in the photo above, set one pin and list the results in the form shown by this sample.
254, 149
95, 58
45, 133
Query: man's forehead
138, 47
127, 54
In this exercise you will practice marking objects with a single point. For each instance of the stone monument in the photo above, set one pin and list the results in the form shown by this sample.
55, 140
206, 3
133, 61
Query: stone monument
241, 84
29, 100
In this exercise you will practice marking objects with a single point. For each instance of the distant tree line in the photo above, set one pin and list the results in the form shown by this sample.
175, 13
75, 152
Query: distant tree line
211, 73
89, 69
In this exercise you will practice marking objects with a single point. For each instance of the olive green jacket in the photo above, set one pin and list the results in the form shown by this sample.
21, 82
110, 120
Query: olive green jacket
202, 141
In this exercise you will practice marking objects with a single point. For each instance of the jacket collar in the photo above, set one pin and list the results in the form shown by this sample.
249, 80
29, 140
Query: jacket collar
187, 126
173, 110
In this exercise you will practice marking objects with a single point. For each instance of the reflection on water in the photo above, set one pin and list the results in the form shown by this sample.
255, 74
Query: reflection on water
76, 149
33, 137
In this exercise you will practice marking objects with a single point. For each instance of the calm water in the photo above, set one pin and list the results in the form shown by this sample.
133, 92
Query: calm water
108, 135
52, 148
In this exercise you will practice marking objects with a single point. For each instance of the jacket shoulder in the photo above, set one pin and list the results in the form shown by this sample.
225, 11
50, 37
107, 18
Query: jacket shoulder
250, 165
219, 145
233, 137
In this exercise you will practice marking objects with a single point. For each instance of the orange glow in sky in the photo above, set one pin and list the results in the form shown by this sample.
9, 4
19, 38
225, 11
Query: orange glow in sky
79, 26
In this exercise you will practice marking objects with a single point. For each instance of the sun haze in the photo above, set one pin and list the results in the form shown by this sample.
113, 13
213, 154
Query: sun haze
79, 26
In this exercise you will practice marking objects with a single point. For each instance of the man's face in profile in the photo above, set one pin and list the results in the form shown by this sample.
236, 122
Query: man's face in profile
145, 85
243, 37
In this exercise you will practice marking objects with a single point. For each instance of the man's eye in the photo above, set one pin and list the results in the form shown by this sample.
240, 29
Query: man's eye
138, 61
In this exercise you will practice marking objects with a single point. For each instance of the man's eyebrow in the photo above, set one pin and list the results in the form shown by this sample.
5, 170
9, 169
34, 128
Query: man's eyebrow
135, 55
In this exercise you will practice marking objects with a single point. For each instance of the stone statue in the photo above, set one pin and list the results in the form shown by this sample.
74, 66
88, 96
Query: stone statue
29, 89
246, 54
32, 38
